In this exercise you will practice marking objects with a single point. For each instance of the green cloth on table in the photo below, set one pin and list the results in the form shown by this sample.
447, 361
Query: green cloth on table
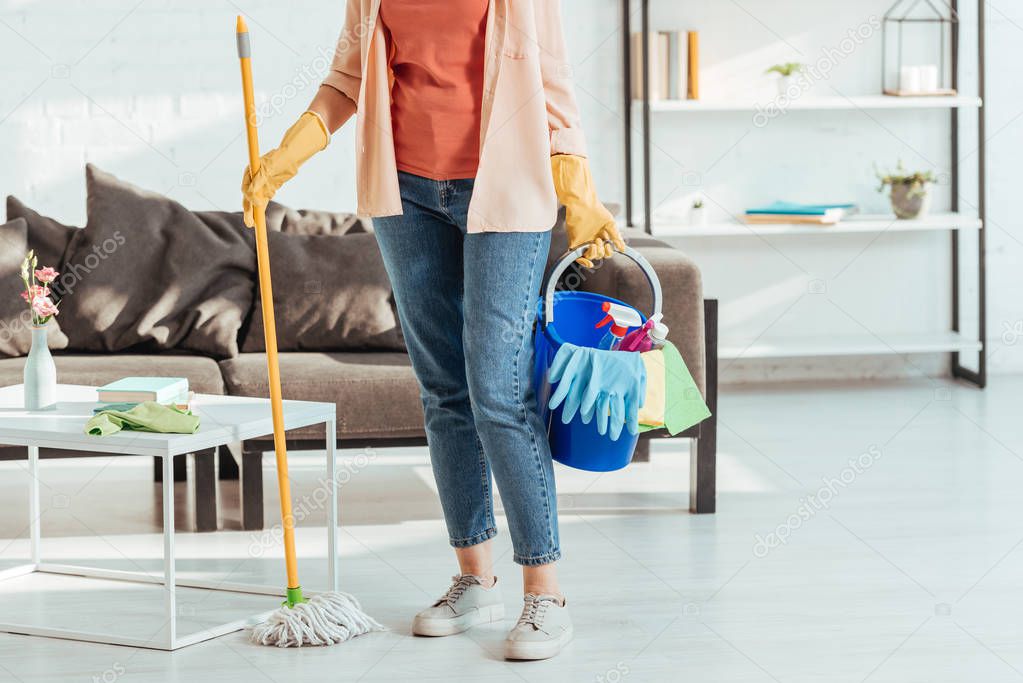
683, 404
145, 417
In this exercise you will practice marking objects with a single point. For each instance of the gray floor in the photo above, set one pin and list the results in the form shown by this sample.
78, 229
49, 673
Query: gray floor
902, 566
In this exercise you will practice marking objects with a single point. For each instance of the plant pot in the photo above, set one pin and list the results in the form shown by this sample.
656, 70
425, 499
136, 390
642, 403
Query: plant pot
40, 373
909, 201
783, 83
698, 217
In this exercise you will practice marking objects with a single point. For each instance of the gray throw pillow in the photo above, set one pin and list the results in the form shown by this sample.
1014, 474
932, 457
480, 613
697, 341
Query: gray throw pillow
312, 222
331, 293
151, 275
51, 240
15, 318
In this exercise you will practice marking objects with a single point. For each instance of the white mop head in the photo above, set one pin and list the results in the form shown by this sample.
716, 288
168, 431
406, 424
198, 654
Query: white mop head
326, 619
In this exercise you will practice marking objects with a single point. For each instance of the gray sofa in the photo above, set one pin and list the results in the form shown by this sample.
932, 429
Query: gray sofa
376, 392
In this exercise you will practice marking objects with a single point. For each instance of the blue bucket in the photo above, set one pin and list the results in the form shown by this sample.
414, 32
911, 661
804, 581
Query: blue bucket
570, 317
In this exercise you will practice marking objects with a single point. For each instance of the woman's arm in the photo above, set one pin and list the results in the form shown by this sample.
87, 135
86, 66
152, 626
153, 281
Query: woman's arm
333, 106
562, 110
587, 220
336, 100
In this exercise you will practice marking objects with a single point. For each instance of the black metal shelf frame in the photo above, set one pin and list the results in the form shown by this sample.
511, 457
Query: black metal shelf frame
976, 376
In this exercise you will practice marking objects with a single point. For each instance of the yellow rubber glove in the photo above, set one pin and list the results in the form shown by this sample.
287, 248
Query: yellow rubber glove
586, 219
308, 136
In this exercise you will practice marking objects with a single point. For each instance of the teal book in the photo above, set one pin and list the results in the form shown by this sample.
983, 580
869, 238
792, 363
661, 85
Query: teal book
795, 209
141, 389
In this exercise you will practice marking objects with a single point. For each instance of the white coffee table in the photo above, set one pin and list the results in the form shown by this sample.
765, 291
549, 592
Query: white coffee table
224, 420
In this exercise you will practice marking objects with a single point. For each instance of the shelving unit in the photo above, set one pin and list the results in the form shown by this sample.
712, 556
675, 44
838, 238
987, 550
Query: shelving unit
854, 224
811, 103
845, 345
956, 223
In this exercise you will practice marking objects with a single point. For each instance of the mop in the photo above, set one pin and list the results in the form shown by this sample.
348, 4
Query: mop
325, 618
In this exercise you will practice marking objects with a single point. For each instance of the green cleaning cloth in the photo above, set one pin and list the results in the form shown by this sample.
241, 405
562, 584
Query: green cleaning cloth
683, 404
145, 417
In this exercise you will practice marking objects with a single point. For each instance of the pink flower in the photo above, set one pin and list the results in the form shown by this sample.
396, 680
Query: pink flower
46, 274
43, 307
34, 293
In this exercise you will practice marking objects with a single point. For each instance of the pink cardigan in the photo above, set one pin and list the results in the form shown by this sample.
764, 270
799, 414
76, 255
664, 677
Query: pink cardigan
529, 113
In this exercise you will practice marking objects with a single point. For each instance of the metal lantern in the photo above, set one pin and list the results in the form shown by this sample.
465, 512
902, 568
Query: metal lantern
918, 36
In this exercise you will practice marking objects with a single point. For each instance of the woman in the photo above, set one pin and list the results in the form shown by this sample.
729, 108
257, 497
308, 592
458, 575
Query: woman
467, 136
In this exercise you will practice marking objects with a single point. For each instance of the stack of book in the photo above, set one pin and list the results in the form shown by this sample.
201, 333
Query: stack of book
674, 65
130, 391
791, 212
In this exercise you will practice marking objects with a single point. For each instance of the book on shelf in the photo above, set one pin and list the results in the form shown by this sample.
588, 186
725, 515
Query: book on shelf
693, 81
668, 56
677, 64
141, 389
791, 212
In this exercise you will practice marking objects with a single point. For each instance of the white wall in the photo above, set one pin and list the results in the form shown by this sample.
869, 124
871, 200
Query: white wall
149, 91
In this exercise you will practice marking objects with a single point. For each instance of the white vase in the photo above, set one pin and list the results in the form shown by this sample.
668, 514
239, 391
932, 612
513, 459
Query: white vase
783, 83
698, 217
40, 373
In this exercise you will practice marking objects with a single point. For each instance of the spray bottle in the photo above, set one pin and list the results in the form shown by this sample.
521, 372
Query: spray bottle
621, 318
651, 336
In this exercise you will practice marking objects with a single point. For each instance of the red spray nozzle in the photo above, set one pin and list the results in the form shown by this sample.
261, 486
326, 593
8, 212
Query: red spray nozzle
621, 318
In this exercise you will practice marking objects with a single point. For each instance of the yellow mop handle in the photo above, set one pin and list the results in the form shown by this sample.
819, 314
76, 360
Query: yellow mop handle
269, 327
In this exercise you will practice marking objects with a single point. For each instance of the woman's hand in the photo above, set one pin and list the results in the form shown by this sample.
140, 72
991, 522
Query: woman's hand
587, 220
304, 139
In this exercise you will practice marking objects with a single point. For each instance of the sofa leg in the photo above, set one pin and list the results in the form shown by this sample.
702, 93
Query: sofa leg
205, 489
252, 488
229, 470
703, 452
642, 452
180, 469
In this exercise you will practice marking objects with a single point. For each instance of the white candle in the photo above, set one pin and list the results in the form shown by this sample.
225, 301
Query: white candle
929, 78
909, 79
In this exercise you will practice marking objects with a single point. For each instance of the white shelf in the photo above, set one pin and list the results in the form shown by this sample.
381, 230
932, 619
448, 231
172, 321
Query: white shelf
845, 345
817, 103
861, 223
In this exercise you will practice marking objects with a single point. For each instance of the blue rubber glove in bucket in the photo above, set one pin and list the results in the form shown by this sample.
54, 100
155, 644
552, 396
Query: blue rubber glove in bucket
608, 385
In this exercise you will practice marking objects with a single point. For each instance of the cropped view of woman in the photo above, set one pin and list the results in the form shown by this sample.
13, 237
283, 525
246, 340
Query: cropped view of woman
467, 138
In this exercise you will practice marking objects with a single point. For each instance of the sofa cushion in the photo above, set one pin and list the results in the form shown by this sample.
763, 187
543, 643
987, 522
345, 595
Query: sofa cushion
313, 222
98, 369
331, 293
376, 393
151, 275
50, 240
15, 316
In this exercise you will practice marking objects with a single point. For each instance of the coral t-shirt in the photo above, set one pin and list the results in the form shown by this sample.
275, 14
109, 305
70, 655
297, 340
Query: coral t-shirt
437, 57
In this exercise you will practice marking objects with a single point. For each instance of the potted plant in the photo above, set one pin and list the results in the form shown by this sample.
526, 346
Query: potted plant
910, 192
40, 373
698, 213
785, 73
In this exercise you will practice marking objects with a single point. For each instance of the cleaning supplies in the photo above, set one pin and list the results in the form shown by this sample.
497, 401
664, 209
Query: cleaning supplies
587, 220
145, 417
671, 400
308, 136
651, 335
327, 618
606, 385
620, 318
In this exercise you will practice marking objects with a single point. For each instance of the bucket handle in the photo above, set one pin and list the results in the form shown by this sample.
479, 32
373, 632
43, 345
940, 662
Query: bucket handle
570, 258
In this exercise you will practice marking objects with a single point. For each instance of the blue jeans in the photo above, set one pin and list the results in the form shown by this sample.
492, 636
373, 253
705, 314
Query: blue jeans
466, 304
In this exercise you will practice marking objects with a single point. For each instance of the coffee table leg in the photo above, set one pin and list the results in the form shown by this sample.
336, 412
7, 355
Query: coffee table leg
33, 504
168, 548
333, 579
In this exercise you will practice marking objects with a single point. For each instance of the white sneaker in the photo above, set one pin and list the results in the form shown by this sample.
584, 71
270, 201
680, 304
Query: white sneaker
543, 629
466, 604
